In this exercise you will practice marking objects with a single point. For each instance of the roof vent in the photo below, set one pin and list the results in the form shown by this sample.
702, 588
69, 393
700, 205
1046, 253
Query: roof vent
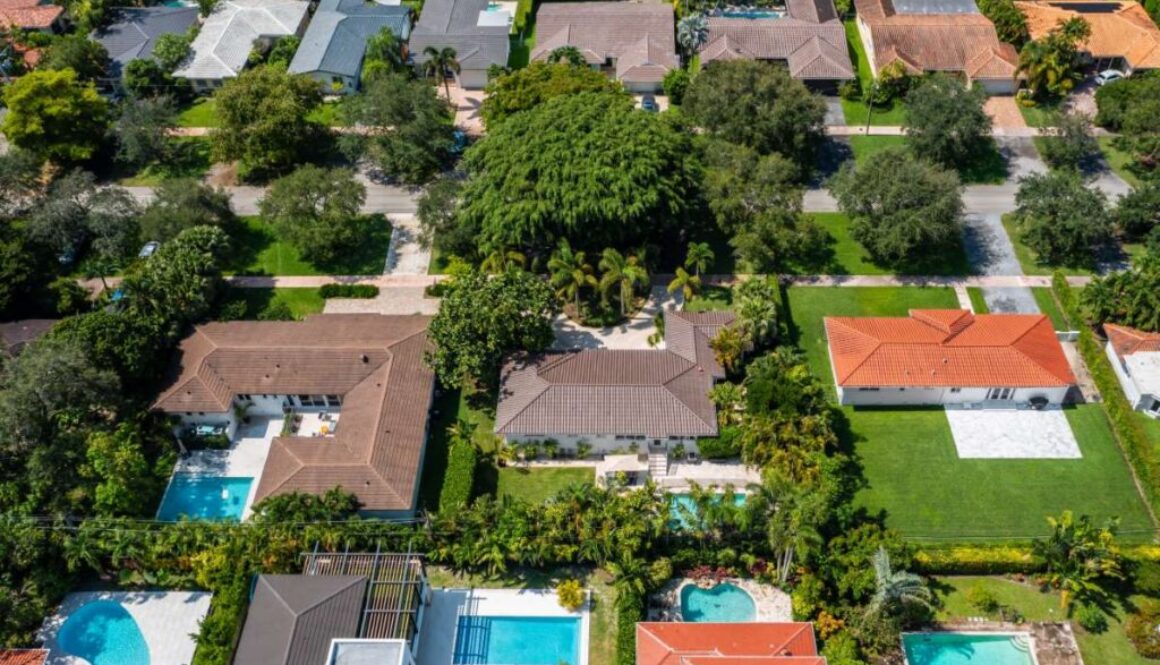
365, 359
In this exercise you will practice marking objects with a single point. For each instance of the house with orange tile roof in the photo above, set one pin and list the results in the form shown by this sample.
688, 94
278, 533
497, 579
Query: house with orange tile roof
30, 15
680, 643
23, 656
1123, 36
1135, 356
949, 36
947, 356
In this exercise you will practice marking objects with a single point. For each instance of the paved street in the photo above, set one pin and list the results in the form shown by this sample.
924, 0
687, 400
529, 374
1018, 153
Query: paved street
380, 198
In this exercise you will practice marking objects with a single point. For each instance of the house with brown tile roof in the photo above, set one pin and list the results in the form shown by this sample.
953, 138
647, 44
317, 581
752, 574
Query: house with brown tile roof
632, 42
30, 15
937, 36
361, 375
680, 643
1135, 356
612, 398
23, 656
947, 356
1123, 36
809, 40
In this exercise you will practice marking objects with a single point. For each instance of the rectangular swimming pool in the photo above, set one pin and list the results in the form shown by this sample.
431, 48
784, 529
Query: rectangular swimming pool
967, 649
502, 640
204, 497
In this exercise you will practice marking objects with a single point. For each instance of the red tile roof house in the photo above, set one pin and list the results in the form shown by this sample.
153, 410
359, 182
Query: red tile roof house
632, 42
614, 398
947, 356
937, 36
30, 15
23, 656
810, 41
365, 371
679, 643
1135, 356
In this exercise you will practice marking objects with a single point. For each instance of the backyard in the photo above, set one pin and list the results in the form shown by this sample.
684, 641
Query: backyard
537, 485
856, 111
257, 250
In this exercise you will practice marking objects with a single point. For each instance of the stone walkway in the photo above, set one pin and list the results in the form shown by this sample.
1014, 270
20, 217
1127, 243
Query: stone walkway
391, 300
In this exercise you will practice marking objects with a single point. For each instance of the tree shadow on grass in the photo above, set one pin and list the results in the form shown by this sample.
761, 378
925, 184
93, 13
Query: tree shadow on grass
247, 242
988, 167
369, 257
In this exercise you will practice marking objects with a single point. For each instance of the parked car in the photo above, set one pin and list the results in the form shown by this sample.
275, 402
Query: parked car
149, 249
649, 103
1108, 75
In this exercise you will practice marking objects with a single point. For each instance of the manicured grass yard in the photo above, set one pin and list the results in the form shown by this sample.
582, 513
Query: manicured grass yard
1041, 114
301, 302
1047, 304
537, 485
848, 257
202, 113
908, 459
602, 641
1118, 160
190, 159
855, 111
865, 147
978, 302
1111, 646
711, 299
257, 250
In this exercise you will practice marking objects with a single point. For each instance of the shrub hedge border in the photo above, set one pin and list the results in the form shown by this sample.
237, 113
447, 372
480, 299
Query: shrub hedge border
459, 480
629, 610
335, 290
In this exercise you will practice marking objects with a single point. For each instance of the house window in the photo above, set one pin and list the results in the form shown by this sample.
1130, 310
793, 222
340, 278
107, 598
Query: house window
1000, 393
333, 400
312, 400
868, 390
242, 397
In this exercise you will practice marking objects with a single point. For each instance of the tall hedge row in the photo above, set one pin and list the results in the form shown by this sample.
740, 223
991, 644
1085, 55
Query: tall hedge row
459, 481
629, 610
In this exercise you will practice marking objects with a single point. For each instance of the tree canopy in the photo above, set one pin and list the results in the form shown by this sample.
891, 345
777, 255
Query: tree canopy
767, 109
87, 57
317, 210
1010, 23
904, 210
54, 116
141, 130
945, 121
533, 85
1128, 297
587, 167
183, 203
1062, 219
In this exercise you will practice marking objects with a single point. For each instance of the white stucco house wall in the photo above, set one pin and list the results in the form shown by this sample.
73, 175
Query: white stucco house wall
1135, 356
947, 357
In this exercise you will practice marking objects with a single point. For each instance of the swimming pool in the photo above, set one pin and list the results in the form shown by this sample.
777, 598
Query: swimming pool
205, 497
103, 633
678, 518
722, 603
967, 649
751, 13
502, 640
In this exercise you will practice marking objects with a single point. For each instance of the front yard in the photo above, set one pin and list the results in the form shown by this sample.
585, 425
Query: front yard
190, 159
301, 302
848, 257
989, 168
257, 250
1028, 259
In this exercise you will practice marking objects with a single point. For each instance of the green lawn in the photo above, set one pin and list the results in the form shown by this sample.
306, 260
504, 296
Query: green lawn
1111, 646
202, 113
301, 302
848, 257
602, 640
451, 406
1028, 259
537, 485
855, 111
865, 147
711, 299
521, 49
1118, 160
978, 302
257, 250
190, 159
1048, 305
1041, 114
987, 169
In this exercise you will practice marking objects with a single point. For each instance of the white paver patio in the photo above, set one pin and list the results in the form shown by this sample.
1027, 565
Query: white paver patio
441, 618
1012, 434
244, 459
710, 473
168, 620
632, 334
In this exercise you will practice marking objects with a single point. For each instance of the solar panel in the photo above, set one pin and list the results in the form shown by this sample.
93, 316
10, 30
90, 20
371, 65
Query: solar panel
1088, 7
935, 7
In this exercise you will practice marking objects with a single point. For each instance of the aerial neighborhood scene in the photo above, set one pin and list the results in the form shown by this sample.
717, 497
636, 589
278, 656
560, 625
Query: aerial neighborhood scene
610, 332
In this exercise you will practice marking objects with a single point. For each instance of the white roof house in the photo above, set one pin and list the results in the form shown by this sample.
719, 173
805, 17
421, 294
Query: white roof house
223, 46
1135, 356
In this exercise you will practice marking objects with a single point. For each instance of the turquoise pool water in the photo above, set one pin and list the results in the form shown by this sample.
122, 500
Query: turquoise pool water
677, 501
723, 603
754, 14
966, 649
517, 641
204, 497
103, 633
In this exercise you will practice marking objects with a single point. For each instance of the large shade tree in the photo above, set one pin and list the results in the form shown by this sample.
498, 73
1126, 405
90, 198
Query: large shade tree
531, 86
586, 167
52, 114
316, 210
1062, 219
945, 121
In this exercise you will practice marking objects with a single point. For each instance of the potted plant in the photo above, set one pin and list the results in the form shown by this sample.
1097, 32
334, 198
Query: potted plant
679, 451
583, 449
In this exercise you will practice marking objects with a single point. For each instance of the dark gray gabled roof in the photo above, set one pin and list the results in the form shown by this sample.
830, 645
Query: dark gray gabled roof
293, 618
455, 23
135, 30
337, 37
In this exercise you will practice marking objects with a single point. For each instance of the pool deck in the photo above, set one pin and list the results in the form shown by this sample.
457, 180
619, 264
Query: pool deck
1053, 642
441, 618
245, 458
167, 620
772, 604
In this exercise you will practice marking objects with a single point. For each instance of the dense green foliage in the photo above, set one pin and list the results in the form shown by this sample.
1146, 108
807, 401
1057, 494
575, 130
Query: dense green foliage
945, 121
1129, 297
141, 130
638, 173
316, 210
629, 611
77, 215
183, 203
1052, 65
55, 116
459, 480
535, 84
1010, 23
1071, 144
1137, 213
334, 290
87, 57
904, 210
1061, 219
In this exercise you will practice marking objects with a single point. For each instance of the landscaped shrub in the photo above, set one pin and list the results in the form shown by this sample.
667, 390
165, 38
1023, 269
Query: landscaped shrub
723, 446
1146, 577
1091, 618
459, 480
675, 84
629, 610
348, 290
982, 600
570, 594
220, 628
972, 560
842, 649
1142, 628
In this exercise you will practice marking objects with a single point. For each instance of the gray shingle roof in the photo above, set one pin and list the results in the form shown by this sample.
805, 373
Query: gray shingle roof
455, 24
337, 36
293, 618
227, 36
134, 32
640, 37
619, 392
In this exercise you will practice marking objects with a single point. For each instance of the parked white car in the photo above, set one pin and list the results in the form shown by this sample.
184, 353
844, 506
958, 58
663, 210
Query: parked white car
1108, 75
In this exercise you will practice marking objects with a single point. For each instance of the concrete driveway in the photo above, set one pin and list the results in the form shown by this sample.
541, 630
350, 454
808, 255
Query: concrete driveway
632, 334
991, 253
1012, 434
834, 113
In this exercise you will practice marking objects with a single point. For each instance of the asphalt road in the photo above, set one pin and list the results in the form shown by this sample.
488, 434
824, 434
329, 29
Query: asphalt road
979, 199
380, 198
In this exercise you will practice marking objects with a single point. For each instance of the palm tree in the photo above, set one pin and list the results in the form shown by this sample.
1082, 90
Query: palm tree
499, 261
895, 588
439, 62
698, 257
621, 273
790, 514
685, 282
693, 33
570, 273
729, 345
1078, 554
568, 54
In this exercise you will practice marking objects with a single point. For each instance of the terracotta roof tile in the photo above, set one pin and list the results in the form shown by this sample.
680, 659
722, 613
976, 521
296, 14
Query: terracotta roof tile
1127, 341
29, 15
674, 643
23, 656
1126, 31
947, 348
